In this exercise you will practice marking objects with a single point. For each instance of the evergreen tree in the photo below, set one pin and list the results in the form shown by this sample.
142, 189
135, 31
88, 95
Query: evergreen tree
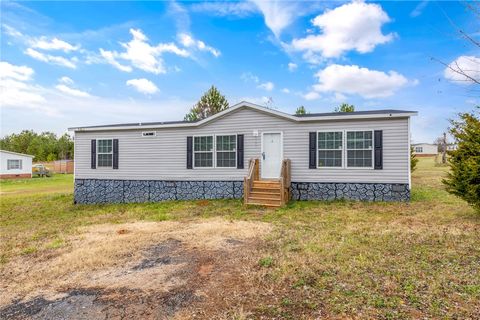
413, 159
45, 146
210, 103
463, 179
345, 107
301, 110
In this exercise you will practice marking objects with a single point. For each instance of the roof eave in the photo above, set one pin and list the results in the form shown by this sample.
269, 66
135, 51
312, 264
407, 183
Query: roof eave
252, 106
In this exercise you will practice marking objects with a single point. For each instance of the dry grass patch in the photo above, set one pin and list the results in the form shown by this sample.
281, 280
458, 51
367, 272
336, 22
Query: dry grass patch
101, 256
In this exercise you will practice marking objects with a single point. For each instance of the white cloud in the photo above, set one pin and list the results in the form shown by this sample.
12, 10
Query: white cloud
109, 57
248, 76
463, 70
65, 80
141, 55
15, 87
188, 41
71, 91
292, 67
268, 86
143, 86
277, 14
10, 71
354, 26
352, 79
53, 44
419, 9
312, 95
58, 60
239, 9
286, 90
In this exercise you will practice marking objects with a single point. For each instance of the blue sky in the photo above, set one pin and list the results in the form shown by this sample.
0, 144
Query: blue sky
66, 64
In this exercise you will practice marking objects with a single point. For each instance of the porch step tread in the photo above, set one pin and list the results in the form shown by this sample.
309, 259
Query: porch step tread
266, 185
276, 195
264, 197
273, 205
266, 190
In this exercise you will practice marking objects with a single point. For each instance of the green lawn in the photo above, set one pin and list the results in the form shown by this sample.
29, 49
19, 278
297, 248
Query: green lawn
331, 259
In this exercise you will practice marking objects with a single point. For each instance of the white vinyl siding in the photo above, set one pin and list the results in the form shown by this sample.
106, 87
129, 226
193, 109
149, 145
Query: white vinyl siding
105, 153
164, 156
14, 164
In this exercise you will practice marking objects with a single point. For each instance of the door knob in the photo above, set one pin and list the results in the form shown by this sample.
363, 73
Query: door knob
263, 155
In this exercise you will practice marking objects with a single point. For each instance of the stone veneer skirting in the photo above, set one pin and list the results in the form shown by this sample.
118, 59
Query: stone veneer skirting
134, 191
350, 191
90, 191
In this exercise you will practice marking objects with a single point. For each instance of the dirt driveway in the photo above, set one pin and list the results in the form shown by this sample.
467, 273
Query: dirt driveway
147, 270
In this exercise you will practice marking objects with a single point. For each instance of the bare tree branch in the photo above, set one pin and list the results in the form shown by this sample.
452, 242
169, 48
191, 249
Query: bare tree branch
458, 71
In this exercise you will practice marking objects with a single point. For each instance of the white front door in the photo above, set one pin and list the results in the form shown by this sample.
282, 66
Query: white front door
271, 155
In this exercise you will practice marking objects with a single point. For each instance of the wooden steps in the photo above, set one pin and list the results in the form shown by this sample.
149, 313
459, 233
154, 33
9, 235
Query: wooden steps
265, 193
268, 193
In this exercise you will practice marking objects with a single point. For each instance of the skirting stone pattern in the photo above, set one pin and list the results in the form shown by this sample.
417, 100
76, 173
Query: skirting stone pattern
90, 191
350, 191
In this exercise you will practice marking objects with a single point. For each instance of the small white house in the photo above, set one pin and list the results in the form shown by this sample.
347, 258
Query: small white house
15, 165
425, 149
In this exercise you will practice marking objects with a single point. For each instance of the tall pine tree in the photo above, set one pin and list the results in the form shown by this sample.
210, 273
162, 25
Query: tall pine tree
210, 103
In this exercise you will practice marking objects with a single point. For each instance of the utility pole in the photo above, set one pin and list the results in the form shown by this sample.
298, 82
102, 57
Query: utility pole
444, 154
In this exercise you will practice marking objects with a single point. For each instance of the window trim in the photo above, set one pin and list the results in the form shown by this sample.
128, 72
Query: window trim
343, 149
98, 153
214, 150
418, 149
372, 150
236, 150
20, 167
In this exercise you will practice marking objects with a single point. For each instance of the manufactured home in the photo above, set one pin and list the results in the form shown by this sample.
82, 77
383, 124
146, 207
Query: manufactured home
247, 151
425, 149
15, 165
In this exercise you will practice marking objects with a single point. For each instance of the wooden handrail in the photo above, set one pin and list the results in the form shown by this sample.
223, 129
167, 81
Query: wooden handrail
285, 181
253, 174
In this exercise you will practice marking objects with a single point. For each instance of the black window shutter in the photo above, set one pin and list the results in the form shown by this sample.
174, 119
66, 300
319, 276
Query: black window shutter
93, 154
378, 141
189, 152
312, 163
240, 151
115, 153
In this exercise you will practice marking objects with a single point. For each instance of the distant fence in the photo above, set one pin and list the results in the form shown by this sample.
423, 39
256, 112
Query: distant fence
59, 166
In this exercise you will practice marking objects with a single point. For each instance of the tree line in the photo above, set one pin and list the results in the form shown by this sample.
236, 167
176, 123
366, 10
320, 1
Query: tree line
45, 146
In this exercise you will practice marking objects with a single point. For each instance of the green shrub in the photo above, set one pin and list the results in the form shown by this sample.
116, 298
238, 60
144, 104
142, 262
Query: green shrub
463, 179
413, 160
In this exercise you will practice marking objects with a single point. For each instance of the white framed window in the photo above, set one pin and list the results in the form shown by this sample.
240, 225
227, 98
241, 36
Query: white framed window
359, 149
419, 149
203, 151
14, 164
149, 134
226, 151
105, 153
330, 149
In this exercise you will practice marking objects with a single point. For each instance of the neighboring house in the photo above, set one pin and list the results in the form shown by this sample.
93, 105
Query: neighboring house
15, 165
451, 146
354, 155
425, 149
